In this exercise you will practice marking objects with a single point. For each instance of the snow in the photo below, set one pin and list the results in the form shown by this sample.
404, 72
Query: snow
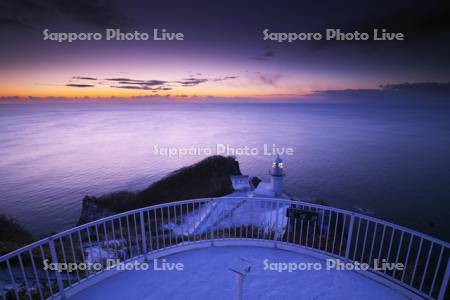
97, 254
240, 183
233, 213
264, 189
206, 275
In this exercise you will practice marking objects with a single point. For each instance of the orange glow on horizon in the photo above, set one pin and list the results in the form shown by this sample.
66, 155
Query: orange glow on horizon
47, 91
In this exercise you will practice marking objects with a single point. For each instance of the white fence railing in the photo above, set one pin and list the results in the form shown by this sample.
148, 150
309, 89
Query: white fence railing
126, 236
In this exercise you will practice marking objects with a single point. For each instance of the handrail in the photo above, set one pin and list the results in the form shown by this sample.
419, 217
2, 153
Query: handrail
335, 232
324, 207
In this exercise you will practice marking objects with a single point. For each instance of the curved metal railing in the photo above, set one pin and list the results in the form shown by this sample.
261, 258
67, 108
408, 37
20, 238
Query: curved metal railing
130, 235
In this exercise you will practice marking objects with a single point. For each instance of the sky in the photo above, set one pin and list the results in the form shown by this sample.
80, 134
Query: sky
223, 53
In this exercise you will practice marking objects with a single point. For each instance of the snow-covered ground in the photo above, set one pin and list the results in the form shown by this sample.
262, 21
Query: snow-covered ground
206, 275
233, 213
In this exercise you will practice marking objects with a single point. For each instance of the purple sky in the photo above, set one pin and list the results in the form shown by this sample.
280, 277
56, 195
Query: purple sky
223, 53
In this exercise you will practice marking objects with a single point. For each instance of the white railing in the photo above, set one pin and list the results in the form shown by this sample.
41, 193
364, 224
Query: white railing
130, 235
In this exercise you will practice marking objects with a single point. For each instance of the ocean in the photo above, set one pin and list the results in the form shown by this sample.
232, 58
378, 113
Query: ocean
389, 161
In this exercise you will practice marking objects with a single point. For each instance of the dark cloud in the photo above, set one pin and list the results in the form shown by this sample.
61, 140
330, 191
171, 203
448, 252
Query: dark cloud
186, 82
143, 82
265, 56
137, 81
418, 86
417, 19
101, 13
137, 84
130, 87
119, 79
10, 23
406, 86
402, 92
192, 81
134, 87
269, 79
84, 78
15, 98
80, 85
151, 85
225, 78
20, 14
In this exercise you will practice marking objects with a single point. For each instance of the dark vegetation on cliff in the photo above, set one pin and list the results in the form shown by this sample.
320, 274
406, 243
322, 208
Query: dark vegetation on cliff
12, 235
207, 178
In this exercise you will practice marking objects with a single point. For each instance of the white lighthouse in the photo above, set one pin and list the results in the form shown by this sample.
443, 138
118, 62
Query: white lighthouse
276, 176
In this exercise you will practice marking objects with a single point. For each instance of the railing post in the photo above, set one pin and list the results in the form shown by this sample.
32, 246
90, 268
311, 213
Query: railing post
144, 238
276, 221
212, 226
59, 281
349, 237
444, 283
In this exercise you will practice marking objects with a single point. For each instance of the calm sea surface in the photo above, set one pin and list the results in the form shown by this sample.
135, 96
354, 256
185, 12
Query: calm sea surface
389, 161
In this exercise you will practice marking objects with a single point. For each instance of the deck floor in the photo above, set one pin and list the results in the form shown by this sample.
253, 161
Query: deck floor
206, 275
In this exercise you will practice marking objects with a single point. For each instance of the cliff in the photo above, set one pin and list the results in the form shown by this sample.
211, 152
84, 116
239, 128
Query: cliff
207, 178
12, 235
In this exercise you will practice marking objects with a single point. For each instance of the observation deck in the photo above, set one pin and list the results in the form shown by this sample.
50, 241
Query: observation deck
213, 237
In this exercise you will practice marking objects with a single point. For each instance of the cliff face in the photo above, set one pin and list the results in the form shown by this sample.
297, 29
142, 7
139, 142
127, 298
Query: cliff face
12, 235
207, 178
94, 208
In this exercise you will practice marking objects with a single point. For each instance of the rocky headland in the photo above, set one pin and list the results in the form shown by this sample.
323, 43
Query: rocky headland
208, 178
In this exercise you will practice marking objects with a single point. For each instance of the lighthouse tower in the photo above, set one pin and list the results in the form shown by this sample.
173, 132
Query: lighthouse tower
276, 176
